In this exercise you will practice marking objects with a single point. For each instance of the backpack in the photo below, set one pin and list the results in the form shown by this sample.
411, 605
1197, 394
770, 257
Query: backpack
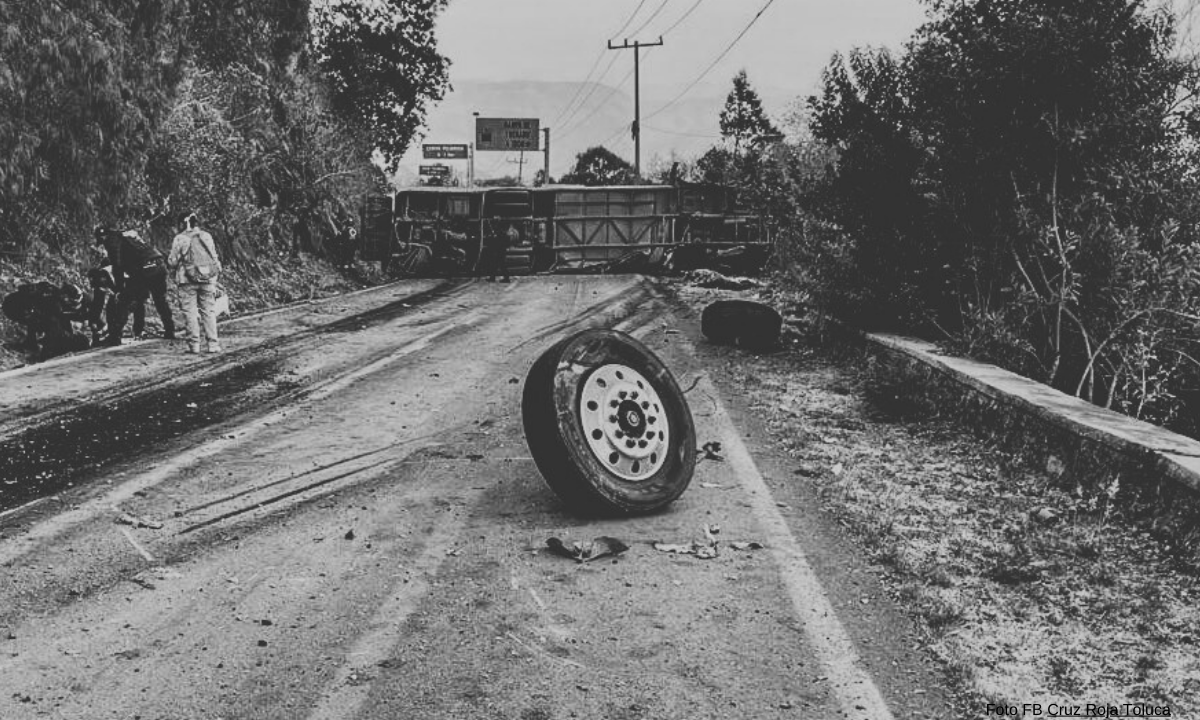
200, 264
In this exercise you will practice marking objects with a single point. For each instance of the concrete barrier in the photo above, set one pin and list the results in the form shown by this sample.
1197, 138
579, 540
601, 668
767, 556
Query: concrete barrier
1131, 468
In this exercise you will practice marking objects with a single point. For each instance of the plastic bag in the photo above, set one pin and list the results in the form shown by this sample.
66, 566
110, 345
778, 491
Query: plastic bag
221, 302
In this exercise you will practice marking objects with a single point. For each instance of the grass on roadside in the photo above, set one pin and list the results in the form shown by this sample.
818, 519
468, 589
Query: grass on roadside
1025, 591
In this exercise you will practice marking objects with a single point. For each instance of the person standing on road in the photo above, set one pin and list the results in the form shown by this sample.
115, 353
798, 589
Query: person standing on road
495, 251
138, 272
193, 262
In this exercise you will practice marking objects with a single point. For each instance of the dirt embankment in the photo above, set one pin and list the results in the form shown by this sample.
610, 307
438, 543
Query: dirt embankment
273, 281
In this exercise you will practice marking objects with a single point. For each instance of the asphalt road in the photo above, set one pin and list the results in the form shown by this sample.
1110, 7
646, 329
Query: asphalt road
339, 518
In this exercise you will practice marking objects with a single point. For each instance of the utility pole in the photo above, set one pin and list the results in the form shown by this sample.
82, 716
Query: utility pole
546, 159
520, 165
471, 152
637, 97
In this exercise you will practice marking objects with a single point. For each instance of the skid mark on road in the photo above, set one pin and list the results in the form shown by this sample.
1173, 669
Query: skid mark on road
56, 525
386, 629
613, 307
314, 471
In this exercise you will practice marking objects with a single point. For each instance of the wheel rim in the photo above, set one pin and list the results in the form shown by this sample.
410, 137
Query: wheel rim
624, 421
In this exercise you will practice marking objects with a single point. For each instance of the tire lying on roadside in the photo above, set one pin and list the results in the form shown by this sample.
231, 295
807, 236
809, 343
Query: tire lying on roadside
607, 425
745, 323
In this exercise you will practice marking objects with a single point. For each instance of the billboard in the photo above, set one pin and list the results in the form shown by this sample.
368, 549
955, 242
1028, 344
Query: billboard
507, 134
435, 170
444, 152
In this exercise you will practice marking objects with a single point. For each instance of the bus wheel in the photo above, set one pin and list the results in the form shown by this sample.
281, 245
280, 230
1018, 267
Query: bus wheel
608, 426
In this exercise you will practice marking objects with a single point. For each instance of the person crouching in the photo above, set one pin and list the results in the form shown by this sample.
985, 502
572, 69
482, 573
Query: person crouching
138, 272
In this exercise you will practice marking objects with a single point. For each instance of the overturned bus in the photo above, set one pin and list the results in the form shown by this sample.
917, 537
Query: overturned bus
440, 231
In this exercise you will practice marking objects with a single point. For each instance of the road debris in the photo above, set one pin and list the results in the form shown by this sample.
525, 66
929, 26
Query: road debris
582, 552
712, 279
743, 545
712, 451
125, 518
705, 549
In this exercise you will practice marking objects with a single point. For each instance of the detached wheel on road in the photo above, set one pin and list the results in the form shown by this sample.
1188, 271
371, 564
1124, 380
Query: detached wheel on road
608, 426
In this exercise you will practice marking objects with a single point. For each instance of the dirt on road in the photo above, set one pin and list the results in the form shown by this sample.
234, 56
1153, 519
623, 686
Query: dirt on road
348, 525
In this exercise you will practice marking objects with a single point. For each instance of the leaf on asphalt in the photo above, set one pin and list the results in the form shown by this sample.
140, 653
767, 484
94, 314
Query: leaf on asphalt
581, 552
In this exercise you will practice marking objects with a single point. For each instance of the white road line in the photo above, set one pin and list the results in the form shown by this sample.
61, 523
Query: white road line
93, 508
849, 682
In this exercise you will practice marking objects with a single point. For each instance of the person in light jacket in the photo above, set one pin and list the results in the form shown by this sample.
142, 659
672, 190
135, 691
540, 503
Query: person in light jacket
194, 264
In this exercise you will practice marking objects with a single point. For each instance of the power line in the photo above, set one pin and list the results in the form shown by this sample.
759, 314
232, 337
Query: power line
602, 103
629, 19
595, 63
718, 59
591, 91
682, 17
625, 79
649, 19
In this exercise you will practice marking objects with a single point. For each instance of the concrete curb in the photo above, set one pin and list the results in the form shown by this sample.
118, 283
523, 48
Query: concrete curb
1131, 466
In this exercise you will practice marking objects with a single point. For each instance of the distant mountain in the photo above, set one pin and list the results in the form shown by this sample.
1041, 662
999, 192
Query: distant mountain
579, 116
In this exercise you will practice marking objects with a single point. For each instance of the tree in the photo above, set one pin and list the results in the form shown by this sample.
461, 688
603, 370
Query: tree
743, 119
1021, 180
79, 104
599, 166
382, 61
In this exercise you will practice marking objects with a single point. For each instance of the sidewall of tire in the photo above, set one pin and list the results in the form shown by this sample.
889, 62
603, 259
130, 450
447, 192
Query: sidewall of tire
571, 468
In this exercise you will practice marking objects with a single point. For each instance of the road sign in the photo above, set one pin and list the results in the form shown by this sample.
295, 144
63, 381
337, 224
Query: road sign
435, 170
444, 152
507, 134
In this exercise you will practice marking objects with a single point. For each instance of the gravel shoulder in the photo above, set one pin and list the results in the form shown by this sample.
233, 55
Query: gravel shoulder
1021, 591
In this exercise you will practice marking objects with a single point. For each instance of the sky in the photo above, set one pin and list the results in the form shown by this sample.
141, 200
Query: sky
565, 41
559, 39
783, 53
